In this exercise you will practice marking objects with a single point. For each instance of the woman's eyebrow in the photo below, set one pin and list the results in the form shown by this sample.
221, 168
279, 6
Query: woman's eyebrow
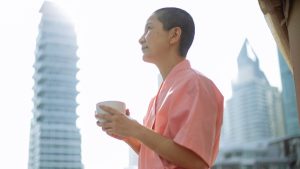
147, 25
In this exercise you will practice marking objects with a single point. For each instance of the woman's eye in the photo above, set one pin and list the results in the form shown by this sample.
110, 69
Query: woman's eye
148, 27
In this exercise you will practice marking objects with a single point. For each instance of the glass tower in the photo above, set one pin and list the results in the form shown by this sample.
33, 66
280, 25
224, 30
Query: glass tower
254, 112
289, 98
55, 141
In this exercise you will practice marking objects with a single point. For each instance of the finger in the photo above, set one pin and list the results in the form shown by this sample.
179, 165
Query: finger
110, 132
106, 117
98, 115
109, 109
106, 128
100, 124
95, 114
104, 125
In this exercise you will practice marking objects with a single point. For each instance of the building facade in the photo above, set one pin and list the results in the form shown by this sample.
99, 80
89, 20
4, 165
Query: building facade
289, 98
254, 112
55, 140
254, 134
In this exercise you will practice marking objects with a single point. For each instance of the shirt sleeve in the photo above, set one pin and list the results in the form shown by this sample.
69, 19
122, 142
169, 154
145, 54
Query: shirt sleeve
196, 118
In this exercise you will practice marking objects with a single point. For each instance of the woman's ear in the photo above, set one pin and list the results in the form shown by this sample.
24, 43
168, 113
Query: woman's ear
175, 35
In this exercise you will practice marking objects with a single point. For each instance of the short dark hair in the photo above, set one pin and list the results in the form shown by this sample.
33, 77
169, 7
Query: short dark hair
172, 17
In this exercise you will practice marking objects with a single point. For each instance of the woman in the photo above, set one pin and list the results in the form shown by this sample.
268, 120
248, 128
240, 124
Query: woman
182, 126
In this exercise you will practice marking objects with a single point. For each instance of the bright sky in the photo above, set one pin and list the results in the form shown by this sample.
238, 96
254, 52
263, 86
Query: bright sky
111, 65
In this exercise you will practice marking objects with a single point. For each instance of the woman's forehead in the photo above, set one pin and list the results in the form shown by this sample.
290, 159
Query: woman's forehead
153, 18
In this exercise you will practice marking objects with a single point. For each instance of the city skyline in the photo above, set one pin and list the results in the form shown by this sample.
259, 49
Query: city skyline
219, 37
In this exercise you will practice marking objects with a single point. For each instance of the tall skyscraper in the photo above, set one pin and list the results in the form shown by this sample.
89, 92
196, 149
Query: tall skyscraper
55, 141
254, 112
289, 98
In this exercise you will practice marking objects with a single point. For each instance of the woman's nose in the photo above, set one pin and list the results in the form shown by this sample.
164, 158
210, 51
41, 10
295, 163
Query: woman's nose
142, 39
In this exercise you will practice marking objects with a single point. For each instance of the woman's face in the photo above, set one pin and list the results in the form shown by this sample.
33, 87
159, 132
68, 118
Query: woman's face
154, 41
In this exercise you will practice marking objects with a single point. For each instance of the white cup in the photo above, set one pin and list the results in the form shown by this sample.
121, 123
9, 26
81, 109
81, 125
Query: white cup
118, 105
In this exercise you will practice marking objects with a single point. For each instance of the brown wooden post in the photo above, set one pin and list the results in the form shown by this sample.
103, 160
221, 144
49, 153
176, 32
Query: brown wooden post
293, 25
283, 19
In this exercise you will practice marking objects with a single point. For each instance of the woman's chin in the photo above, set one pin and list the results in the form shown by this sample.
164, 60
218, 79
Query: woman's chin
146, 59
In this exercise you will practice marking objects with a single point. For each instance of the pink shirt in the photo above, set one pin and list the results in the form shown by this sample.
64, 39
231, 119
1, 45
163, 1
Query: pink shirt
188, 109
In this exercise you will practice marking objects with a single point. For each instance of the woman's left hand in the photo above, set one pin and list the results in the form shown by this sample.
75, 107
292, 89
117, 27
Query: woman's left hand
117, 124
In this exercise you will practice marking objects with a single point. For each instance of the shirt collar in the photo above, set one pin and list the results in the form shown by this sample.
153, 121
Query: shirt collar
183, 65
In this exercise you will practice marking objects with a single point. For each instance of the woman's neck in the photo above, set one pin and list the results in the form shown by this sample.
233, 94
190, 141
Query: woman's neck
166, 67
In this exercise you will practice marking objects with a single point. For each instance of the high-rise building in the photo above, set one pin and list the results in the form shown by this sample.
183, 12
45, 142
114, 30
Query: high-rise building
289, 98
254, 112
55, 141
